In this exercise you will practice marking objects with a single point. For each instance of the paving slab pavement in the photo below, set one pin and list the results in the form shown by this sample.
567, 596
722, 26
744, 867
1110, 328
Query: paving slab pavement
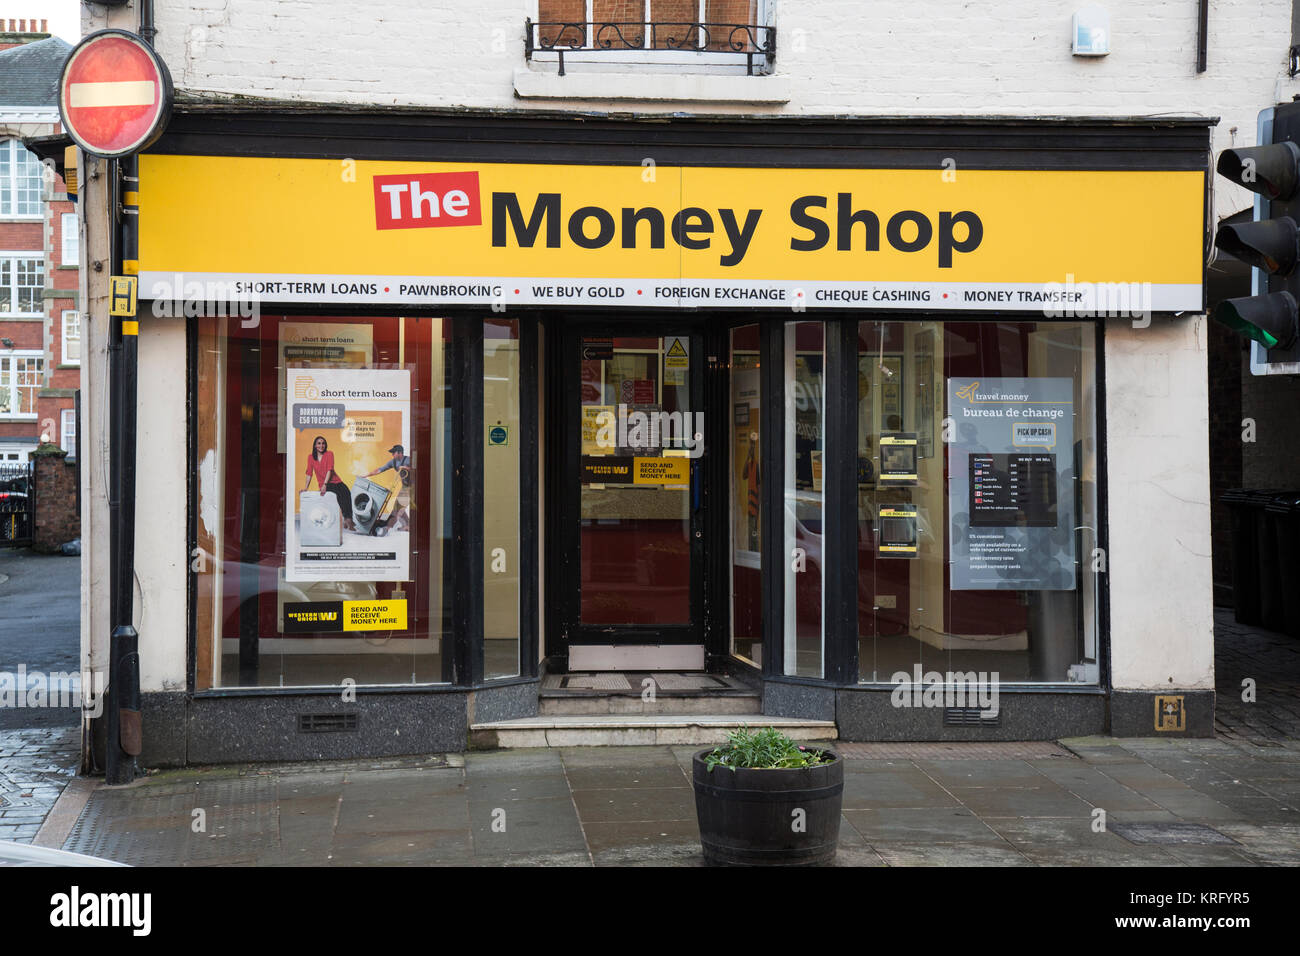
634, 806
36, 764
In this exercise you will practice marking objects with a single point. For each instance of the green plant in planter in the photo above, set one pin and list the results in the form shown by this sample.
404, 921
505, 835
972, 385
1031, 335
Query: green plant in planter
767, 749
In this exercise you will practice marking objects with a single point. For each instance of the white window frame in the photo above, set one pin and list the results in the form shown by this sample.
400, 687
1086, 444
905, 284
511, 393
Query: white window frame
649, 59
9, 357
9, 282
9, 186
76, 320
71, 251
68, 431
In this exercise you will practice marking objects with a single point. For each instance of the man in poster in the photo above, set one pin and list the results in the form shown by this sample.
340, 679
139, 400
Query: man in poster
399, 520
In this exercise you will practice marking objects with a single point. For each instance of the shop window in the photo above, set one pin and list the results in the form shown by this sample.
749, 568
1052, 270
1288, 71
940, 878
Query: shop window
22, 375
71, 337
702, 32
21, 178
323, 515
746, 497
804, 511
22, 280
501, 498
977, 502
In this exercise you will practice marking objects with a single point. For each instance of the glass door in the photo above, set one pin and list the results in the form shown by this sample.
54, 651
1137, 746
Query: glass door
633, 501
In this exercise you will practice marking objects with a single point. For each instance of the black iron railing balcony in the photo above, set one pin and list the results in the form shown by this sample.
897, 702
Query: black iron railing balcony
749, 40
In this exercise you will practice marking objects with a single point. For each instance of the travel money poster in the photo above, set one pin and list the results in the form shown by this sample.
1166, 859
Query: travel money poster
359, 528
1011, 484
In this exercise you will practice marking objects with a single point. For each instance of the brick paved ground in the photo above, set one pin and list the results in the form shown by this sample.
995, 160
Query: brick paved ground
1273, 661
35, 765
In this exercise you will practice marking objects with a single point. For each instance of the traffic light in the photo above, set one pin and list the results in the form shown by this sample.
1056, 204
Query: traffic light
1271, 243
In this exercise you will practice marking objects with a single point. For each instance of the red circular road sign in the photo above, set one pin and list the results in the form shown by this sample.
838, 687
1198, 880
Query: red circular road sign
115, 94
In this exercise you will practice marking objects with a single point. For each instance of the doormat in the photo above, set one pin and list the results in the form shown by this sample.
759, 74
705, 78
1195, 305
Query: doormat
596, 682
1171, 833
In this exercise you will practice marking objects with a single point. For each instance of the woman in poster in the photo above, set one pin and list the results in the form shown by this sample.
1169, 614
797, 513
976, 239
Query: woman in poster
320, 464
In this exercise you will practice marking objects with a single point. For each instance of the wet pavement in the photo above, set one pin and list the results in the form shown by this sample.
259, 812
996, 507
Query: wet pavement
1163, 802
35, 766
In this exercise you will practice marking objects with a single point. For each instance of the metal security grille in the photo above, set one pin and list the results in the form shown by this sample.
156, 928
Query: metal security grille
17, 498
969, 717
326, 723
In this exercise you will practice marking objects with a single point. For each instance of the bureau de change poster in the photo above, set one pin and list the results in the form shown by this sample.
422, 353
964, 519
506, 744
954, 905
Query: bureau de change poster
1011, 484
350, 474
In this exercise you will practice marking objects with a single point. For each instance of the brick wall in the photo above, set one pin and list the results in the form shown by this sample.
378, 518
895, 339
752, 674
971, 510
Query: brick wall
20, 236
55, 485
930, 57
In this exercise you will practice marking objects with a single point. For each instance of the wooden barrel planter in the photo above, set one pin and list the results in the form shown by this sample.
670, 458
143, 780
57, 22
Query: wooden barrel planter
768, 817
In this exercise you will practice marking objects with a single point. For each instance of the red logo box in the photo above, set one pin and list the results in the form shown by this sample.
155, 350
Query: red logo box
427, 200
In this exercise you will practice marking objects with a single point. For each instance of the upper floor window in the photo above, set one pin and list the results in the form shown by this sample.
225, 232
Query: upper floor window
21, 377
22, 280
20, 180
68, 431
71, 337
722, 35
71, 240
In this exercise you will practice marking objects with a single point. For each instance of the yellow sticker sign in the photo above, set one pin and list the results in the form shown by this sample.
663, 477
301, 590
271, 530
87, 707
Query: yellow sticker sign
374, 615
122, 295
661, 471
598, 429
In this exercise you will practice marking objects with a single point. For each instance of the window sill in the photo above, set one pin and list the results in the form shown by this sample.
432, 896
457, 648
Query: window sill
662, 87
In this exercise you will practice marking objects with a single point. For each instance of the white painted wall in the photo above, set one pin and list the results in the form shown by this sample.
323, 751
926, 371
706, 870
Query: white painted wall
1161, 587
870, 57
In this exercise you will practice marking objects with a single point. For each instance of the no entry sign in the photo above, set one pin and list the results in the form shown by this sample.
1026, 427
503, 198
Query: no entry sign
115, 94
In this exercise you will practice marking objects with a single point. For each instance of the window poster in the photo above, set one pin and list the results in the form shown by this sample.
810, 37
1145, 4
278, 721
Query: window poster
320, 345
350, 474
1011, 484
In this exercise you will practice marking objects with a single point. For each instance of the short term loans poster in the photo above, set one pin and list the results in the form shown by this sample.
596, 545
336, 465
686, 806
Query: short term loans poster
350, 475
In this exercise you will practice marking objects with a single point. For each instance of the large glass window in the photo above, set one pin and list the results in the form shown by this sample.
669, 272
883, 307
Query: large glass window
804, 445
501, 498
977, 501
324, 501
20, 180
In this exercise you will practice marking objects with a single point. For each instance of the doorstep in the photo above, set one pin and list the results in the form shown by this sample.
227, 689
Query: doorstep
613, 730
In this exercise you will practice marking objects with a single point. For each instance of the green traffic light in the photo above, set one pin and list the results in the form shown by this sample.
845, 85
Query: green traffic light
1270, 320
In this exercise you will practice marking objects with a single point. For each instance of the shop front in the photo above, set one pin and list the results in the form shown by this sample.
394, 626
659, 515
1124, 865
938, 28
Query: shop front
474, 399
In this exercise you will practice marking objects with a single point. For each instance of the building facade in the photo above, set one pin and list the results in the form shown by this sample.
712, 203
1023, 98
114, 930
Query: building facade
857, 352
40, 321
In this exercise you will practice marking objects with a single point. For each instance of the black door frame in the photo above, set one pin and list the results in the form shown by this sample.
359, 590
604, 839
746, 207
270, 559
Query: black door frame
709, 590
